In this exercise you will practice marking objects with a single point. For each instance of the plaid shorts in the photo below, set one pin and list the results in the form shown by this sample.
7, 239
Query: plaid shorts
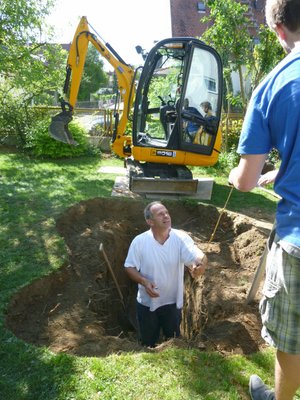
280, 306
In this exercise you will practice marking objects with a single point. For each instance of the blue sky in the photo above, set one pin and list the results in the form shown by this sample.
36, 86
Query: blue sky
124, 24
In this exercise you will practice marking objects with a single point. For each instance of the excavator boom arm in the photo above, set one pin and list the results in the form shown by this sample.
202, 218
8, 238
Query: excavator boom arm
76, 60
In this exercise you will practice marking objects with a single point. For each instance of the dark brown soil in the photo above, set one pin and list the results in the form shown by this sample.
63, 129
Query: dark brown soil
78, 310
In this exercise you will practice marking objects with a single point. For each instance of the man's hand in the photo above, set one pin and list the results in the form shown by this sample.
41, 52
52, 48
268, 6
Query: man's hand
230, 178
198, 267
267, 178
245, 176
151, 288
136, 276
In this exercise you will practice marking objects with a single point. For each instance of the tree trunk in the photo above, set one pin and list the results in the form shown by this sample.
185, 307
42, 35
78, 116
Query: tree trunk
242, 88
228, 114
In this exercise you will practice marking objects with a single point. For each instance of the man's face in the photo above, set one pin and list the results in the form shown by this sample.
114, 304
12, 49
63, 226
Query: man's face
160, 217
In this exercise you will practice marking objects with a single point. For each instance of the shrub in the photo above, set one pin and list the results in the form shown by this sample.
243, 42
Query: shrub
92, 151
17, 116
41, 144
229, 160
274, 158
234, 132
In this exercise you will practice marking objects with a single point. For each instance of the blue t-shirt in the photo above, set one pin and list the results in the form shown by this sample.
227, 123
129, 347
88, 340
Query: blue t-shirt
193, 126
273, 120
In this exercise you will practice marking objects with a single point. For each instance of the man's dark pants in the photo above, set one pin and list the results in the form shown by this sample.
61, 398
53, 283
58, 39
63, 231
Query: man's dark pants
167, 317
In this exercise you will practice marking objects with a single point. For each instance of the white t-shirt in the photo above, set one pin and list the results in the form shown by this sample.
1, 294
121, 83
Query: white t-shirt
163, 264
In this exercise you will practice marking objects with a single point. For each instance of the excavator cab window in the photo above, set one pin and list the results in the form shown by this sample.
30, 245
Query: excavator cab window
201, 105
178, 101
156, 112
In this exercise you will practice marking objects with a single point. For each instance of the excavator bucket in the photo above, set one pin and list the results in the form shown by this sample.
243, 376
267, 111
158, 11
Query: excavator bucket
59, 129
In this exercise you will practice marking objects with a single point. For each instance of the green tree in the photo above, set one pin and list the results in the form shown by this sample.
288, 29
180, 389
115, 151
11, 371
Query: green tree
229, 35
265, 56
25, 61
93, 76
28, 67
115, 83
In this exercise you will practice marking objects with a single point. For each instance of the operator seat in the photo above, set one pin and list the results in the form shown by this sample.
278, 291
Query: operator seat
166, 114
173, 139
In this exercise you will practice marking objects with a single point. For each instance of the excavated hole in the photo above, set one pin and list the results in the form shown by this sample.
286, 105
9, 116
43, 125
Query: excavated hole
78, 310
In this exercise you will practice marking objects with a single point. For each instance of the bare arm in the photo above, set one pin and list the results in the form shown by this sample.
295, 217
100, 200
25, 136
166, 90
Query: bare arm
245, 176
136, 276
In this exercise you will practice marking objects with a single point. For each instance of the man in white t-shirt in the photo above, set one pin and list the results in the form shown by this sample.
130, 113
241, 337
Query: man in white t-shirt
155, 261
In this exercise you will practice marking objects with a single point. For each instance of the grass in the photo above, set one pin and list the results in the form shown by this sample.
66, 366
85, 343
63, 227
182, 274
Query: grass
256, 198
32, 194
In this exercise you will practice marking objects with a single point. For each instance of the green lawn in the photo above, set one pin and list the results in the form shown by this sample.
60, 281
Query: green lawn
32, 194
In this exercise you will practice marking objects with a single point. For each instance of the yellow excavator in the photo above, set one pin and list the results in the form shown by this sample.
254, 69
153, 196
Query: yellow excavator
176, 112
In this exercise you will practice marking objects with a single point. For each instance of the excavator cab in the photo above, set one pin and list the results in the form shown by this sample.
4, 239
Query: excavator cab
178, 105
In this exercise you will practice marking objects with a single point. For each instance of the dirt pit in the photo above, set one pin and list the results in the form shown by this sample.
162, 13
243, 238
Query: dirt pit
78, 310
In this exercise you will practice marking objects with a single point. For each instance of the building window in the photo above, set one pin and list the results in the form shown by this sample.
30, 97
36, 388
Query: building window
201, 7
259, 4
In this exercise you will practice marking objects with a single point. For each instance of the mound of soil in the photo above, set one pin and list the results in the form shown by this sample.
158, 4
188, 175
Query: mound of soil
79, 309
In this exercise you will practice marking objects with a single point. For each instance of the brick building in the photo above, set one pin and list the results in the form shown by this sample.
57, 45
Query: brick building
186, 15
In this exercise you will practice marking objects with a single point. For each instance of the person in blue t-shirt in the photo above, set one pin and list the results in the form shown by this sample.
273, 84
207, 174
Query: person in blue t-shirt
273, 120
191, 127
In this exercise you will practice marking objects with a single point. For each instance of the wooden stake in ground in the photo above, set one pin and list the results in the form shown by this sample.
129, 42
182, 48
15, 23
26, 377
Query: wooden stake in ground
112, 273
131, 319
